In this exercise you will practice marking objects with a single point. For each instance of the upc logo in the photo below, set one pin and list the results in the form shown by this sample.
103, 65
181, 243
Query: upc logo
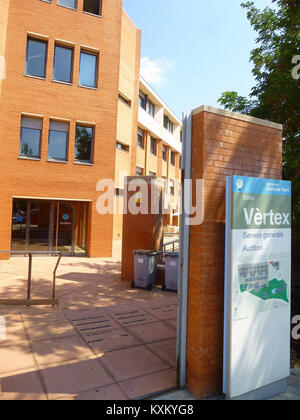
296, 329
2, 328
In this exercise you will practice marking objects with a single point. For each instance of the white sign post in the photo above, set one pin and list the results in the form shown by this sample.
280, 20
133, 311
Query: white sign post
257, 288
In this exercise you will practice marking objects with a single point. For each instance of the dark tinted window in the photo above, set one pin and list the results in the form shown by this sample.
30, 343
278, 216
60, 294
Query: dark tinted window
36, 58
84, 143
63, 63
88, 69
58, 140
92, 6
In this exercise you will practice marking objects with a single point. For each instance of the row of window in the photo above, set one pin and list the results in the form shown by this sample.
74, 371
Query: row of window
58, 140
140, 172
153, 147
89, 6
148, 106
36, 59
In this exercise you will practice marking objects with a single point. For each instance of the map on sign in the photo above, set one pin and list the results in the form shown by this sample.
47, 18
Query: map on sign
254, 279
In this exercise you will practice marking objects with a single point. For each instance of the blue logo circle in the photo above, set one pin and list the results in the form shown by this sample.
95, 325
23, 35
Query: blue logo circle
20, 219
66, 217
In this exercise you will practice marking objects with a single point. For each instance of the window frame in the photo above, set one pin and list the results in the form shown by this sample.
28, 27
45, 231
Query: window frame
42, 41
81, 161
96, 75
66, 47
138, 136
153, 151
52, 159
29, 157
93, 14
164, 153
173, 158
67, 7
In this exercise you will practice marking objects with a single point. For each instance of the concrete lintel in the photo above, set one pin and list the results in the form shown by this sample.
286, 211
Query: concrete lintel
237, 116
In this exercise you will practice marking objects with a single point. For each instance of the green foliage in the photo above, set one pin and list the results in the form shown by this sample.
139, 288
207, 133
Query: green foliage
276, 95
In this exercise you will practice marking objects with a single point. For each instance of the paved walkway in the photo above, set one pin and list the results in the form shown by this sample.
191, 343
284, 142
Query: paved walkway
105, 341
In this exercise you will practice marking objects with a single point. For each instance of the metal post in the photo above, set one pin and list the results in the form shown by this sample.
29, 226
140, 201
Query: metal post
29, 277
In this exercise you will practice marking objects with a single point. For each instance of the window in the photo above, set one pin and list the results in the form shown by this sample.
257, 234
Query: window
88, 69
152, 173
168, 124
71, 4
124, 100
92, 6
153, 146
84, 144
122, 146
63, 64
140, 138
139, 171
180, 162
181, 136
31, 133
172, 187
58, 141
36, 58
146, 104
164, 153
173, 158
142, 101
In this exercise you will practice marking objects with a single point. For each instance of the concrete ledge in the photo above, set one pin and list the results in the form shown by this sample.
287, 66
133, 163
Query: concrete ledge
236, 116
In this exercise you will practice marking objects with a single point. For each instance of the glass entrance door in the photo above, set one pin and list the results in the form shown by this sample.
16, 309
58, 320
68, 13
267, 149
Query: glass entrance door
42, 225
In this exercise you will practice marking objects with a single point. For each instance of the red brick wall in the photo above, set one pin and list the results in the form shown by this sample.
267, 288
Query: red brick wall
221, 146
20, 94
138, 233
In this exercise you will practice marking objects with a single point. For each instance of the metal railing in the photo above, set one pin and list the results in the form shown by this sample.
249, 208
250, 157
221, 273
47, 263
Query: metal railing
53, 301
172, 245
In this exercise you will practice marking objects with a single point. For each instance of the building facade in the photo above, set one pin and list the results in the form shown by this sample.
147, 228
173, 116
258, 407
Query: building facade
69, 117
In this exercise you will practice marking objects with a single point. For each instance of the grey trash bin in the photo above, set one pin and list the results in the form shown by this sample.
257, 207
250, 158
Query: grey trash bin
145, 269
172, 271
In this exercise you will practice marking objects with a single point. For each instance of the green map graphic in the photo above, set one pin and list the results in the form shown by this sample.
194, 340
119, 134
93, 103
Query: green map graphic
275, 290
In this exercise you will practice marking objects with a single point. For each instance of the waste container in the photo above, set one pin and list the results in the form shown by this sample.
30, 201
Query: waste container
145, 269
172, 271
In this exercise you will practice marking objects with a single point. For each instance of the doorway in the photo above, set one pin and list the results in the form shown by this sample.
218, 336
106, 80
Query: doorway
50, 225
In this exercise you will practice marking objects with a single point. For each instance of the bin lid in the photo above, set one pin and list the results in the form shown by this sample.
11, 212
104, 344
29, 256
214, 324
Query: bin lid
172, 254
146, 252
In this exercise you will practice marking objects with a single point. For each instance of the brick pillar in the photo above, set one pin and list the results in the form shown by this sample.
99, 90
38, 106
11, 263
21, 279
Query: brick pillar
142, 231
223, 143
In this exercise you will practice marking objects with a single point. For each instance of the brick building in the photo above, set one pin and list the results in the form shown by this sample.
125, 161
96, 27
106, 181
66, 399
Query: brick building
69, 94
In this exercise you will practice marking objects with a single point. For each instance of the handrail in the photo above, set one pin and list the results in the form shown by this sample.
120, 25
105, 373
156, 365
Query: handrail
176, 241
29, 280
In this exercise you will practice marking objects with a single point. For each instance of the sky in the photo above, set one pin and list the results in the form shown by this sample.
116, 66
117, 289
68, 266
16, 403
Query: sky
193, 50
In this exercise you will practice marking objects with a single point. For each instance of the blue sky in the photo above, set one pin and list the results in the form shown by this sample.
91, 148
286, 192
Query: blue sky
193, 50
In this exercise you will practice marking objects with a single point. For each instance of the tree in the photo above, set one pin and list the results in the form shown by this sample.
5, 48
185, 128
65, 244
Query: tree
276, 95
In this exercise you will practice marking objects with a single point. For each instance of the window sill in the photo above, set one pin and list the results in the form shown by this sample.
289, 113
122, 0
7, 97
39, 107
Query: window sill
91, 14
65, 162
66, 7
34, 77
62, 83
88, 87
29, 158
83, 163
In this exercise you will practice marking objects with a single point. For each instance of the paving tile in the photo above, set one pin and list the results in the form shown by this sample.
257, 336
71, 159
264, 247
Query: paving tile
165, 350
22, 386
150, 384
163, 311
150, 333
74, 377
133, 362
106, 341
172, 322
110, 392
51, 352
42, 315
14, 330
38, 331
16, 357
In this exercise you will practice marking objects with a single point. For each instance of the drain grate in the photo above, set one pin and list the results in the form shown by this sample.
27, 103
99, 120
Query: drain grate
133, 317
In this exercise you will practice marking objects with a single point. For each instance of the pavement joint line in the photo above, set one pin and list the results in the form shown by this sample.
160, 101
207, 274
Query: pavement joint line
35, 360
